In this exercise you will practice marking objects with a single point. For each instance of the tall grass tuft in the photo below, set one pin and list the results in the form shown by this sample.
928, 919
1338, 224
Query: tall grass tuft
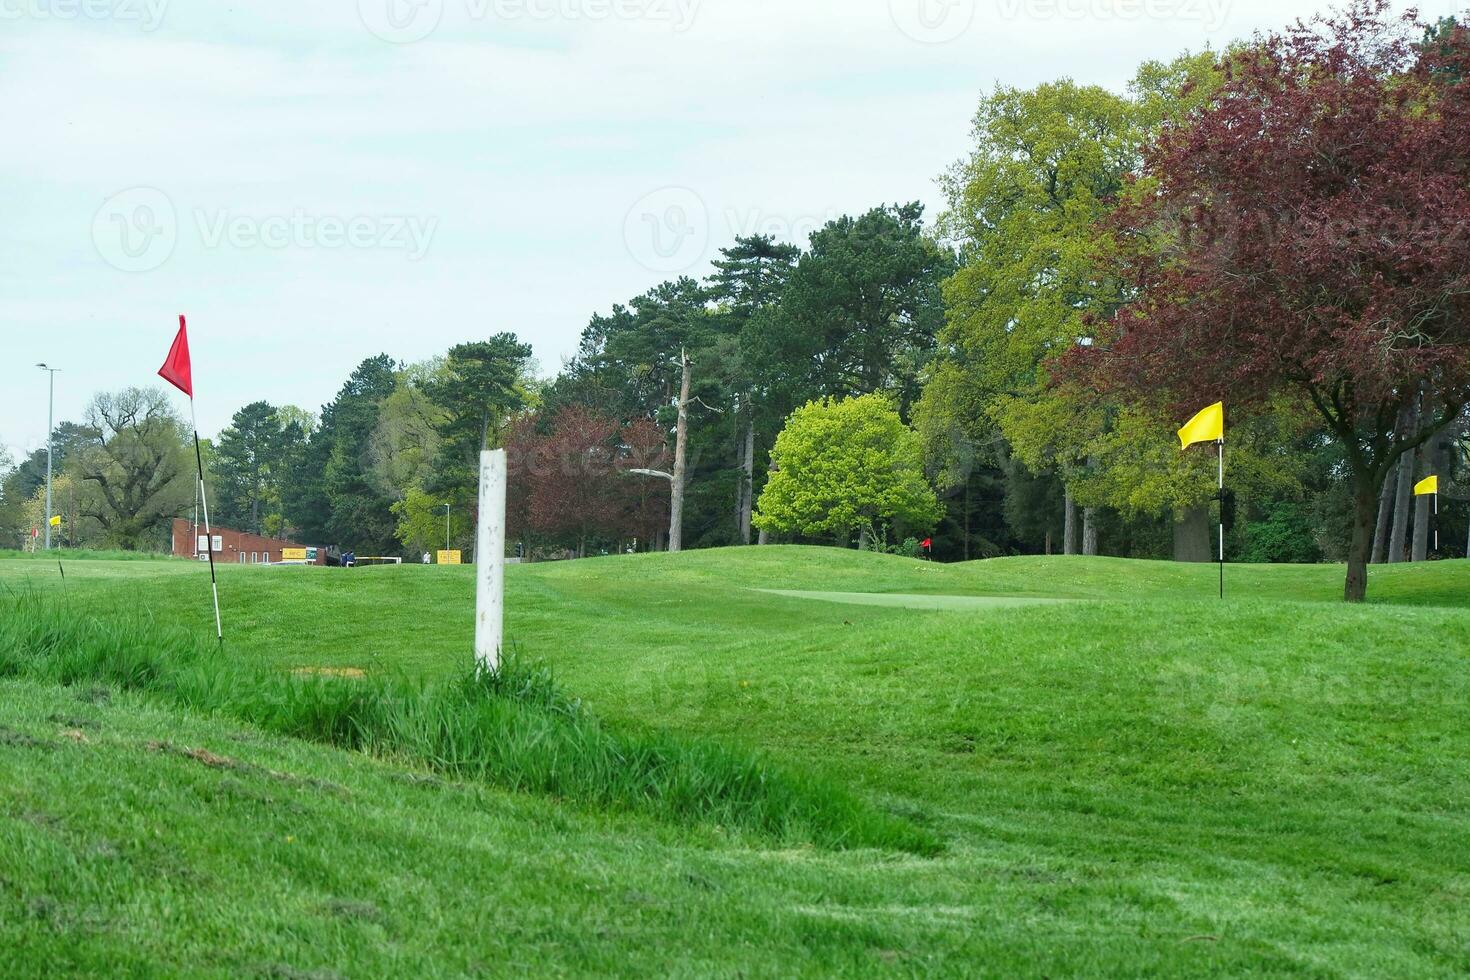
514, 728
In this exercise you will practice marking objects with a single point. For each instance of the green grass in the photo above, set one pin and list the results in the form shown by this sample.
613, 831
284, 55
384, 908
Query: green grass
910, 600
85, 554
1157, 782
513, 727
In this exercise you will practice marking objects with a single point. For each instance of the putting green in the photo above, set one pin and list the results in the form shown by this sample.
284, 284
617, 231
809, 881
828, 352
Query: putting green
909, 600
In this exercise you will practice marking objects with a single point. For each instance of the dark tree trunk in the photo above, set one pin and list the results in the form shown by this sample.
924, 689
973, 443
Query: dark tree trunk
1422, 518
1398, 538
676, 493
966, 536
1192, 534
1380, 529
747, 480
1365, 503
1069, 524
763, 537
1089, 531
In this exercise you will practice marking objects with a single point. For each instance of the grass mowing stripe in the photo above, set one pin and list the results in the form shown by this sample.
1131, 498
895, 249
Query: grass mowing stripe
512, 728
913, 600
84, 554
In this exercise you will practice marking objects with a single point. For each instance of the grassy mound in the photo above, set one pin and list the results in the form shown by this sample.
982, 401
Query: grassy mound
1145, 781
512, 728
141, 840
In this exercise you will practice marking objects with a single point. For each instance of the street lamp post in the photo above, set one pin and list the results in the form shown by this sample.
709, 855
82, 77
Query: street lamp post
50, 426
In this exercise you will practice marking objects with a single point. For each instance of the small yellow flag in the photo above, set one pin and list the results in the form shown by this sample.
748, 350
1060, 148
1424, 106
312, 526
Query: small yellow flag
1426, 487
1207, 426
56, 521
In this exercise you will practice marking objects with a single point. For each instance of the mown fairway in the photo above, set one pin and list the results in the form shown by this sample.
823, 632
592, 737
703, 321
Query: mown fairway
1140, 779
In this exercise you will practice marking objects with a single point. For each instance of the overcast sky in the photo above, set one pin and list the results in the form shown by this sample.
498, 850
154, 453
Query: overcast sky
316, 182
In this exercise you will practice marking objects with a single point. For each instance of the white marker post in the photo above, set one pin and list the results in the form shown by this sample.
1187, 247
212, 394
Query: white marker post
490, 561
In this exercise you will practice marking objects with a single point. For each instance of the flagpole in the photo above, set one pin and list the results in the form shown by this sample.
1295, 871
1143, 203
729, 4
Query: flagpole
1221, 444
219, 630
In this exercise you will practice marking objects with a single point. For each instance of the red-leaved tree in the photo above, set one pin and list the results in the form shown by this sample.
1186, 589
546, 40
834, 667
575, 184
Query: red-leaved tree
646, 501
522, 443
575, 488
1309, 230
564, 481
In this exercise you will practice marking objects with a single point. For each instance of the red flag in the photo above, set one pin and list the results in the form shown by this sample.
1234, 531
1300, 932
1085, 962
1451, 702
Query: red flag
928, 543
177, 370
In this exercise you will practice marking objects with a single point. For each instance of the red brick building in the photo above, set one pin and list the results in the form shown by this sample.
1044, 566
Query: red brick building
238, 547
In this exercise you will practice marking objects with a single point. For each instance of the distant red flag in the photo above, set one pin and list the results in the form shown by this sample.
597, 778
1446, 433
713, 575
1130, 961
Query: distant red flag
928, 543
177, 370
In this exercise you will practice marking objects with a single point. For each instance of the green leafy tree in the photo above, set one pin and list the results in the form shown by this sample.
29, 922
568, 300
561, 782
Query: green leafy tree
359, 514
406, 448
21, 483
423, 522
137, 470
481, 385
304, 500
860, 311
627, 364
442, 415
628, 370
847, 465
1049, 163
247, 468
750, 280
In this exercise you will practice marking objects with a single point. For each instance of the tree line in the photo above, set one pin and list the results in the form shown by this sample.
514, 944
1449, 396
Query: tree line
1281, 225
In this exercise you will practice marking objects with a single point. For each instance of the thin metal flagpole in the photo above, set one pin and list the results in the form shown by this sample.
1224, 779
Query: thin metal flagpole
1221, 445
219, 630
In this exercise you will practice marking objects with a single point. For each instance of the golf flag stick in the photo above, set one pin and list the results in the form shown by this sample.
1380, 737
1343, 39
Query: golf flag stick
56, 522
1209, 426
1430, 487
178, 371
219, 630
1221, 444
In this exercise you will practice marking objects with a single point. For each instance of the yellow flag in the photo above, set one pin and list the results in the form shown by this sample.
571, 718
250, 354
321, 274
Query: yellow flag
56, 521
1426, 487
1207, 426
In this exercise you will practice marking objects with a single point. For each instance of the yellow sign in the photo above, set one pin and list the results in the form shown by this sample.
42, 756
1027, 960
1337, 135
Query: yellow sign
293, 554
450, 558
